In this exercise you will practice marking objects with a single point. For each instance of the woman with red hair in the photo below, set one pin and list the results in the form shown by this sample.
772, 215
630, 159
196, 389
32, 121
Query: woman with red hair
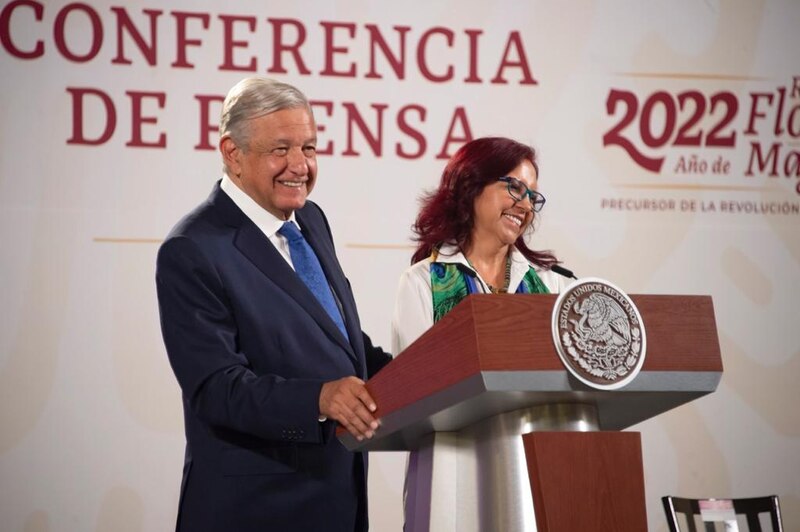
470, 236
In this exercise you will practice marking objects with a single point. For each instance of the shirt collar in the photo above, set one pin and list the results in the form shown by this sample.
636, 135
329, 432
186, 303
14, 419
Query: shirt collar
267, 222
451, 254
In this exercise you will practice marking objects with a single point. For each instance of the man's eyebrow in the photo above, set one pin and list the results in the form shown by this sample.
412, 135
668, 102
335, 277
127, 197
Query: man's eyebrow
278, 141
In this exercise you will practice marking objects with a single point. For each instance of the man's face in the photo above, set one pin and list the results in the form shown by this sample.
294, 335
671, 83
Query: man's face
278, 166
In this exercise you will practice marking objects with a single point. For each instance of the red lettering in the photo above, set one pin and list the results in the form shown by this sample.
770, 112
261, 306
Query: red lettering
137, 119
403, 125
124, 22
515, 41
779, 113
181, 41
229, 43
279, 47
397, 64
354, 117
206, 127
757, 157
422, 62
96, 34
630, 103
321, 128
459, 115
795, 86
791, 122
330, 49
755, 97
473, 56
78, 136
5, 29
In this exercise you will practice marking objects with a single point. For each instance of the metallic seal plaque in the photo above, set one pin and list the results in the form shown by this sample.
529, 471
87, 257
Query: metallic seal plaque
599, 334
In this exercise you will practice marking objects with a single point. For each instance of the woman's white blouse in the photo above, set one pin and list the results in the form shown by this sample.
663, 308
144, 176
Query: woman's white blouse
413, 310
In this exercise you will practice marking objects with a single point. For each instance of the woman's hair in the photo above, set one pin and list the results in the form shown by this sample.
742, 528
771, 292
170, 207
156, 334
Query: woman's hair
448, 213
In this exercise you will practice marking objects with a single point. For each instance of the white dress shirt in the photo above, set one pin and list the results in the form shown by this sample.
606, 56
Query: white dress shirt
267, 222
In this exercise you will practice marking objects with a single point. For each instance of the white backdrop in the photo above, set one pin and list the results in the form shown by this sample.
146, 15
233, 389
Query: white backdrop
669, 143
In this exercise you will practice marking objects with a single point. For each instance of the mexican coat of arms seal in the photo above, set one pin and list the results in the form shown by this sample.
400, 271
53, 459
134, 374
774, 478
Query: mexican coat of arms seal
599, 334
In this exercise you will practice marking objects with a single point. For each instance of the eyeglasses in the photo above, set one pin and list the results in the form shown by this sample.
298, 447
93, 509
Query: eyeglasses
518, 191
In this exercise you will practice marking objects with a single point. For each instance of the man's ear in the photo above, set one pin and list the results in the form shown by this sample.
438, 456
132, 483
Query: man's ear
230, 154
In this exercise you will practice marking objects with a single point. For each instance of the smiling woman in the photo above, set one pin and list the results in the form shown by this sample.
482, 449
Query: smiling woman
471, 236
471, 239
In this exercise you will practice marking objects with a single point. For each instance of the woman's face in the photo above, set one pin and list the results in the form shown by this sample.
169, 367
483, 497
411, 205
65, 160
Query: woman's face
500, 217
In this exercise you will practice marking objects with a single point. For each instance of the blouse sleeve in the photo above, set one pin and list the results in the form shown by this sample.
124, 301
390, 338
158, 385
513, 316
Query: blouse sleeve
413, 309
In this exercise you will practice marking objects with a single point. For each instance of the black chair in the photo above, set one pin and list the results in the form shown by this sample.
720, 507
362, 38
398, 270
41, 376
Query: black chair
749, 507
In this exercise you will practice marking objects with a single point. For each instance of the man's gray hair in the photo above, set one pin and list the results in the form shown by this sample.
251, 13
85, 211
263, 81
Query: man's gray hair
252, 98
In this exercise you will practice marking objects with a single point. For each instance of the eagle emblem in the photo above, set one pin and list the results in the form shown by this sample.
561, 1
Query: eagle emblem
599, 334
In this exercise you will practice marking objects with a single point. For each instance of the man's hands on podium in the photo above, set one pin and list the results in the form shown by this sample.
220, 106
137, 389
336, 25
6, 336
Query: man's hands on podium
348, 402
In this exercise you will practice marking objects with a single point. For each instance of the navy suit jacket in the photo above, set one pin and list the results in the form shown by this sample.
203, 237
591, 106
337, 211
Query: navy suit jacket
251, 347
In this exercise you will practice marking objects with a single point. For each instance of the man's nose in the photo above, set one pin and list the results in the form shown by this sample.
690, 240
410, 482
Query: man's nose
298, 164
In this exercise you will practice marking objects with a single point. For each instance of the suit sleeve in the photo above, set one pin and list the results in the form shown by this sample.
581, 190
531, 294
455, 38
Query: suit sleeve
200, 335
377, 358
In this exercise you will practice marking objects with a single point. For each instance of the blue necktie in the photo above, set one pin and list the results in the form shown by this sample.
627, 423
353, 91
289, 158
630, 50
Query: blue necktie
307, 266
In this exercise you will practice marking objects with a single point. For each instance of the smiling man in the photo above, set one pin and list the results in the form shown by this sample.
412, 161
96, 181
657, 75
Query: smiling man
263, 335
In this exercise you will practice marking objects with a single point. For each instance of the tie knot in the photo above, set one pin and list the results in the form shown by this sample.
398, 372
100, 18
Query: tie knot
290, 231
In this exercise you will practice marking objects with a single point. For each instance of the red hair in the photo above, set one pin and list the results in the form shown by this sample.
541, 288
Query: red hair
448, 213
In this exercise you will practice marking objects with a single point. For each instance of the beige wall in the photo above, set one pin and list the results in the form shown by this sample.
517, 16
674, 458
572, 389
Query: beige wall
90, 420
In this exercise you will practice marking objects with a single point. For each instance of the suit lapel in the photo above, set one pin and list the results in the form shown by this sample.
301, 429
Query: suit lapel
254, 245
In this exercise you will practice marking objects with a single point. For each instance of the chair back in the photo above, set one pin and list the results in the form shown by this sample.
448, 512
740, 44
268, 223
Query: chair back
713, 511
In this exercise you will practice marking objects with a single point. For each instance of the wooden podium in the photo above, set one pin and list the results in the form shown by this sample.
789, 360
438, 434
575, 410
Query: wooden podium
542, 451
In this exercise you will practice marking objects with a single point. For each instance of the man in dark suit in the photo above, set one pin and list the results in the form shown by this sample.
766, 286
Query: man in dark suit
263, 335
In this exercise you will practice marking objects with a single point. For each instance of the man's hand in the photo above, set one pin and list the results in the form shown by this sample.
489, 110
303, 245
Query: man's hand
348, 402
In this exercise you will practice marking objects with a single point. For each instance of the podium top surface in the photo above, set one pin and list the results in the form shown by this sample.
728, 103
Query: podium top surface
480, 360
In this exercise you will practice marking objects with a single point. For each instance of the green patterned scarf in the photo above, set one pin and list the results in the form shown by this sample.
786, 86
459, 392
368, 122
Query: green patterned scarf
450, 283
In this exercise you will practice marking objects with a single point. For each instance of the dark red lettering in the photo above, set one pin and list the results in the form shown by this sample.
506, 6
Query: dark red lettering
630, 102
181, 41
279, 47
758, 158
137, 119
229, 43
321, 128
459, 115
755, 97
792, 120
405, 127
354, 117
515, 42
206, 126
473, 56
398, 64
422, 48
125, 22
330, 49
59, 32
5, 29
78, 135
